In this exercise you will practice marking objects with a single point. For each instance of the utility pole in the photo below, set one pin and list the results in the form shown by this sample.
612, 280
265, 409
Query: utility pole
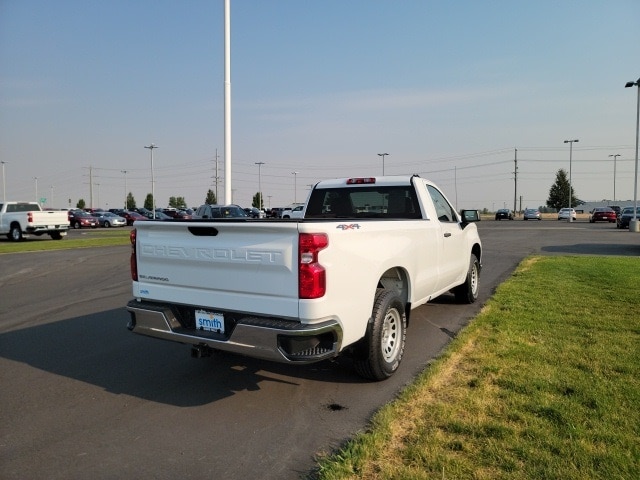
217, 178
615, 157
515, 191
125, 188
295, 186
260, 203
91, 186
455, 182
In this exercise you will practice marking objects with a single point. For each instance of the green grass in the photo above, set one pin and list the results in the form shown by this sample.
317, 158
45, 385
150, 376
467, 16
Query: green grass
544, 384
103, 237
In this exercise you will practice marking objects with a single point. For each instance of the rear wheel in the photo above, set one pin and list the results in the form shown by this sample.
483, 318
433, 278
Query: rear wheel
379, 354
468, 291
15, 234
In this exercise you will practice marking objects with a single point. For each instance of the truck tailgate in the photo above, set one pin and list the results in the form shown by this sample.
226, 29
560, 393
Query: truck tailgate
239, 266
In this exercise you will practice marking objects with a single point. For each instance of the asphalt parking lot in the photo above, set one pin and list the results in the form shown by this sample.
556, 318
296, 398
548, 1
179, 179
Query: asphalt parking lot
84, 398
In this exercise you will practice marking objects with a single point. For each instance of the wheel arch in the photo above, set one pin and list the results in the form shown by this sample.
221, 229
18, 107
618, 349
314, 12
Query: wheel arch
397, 279
476, 249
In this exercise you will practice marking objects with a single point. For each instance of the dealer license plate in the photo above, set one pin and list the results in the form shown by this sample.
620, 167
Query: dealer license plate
209, 321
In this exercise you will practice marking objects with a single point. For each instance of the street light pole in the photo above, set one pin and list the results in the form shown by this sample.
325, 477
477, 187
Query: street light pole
125, 188
383, 155
4, 185
633, 224
260, 205
615, 157
37, 198
570, 142
295, 186
153, 193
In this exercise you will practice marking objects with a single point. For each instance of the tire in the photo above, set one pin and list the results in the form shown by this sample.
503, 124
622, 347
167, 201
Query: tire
77, 225
107, 224
15, 234
468, 291
380, 352
56, 235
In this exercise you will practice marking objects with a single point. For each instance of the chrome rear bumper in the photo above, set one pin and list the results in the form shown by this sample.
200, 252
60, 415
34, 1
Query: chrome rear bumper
277, 340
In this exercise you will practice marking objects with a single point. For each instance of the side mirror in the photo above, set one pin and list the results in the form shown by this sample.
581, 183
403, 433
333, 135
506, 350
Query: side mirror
469, 216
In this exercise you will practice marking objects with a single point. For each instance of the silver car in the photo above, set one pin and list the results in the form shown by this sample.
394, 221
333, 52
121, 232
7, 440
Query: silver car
531, 214
108, 219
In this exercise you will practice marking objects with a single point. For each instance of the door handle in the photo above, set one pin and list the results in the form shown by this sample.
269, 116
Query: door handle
447, 234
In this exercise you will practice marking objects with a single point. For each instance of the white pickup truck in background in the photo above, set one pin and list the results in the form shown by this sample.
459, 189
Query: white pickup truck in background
294, 211
20, 219
342, 280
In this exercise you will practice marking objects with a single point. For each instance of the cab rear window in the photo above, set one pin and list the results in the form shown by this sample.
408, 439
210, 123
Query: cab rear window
364, 202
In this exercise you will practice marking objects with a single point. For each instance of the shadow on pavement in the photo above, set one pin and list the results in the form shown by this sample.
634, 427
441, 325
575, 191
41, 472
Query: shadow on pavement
99, 350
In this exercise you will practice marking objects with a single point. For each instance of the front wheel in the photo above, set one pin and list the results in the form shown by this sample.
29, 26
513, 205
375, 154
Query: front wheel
468, 291
380, 352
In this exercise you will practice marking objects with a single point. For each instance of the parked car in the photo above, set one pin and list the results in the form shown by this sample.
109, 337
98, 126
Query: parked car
131, 217
82, 219
564, 213
254, 212
220, 211
504, 213
626, 216
603, 214
175, 212
118, 211
531, 214
276, 212
108, 219
159, 216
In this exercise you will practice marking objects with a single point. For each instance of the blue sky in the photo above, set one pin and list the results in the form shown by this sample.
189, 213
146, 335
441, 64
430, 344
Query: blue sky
448, 89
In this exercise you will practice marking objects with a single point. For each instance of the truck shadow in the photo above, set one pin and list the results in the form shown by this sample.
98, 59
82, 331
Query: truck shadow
98, 349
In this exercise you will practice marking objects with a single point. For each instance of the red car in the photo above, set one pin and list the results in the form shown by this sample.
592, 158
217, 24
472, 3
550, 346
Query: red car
81, 219
603, 214
131, 217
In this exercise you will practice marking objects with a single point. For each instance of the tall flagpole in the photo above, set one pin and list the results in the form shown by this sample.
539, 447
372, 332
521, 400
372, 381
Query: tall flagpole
227, 103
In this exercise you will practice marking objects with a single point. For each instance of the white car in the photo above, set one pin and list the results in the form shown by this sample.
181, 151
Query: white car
564, 213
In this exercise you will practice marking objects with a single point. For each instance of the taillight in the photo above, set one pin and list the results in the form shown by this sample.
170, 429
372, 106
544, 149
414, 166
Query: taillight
133, 261
29, 217
311, 275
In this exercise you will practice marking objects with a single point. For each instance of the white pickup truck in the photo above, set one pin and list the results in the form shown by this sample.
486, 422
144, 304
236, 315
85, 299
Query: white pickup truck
20, 219
342, 280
